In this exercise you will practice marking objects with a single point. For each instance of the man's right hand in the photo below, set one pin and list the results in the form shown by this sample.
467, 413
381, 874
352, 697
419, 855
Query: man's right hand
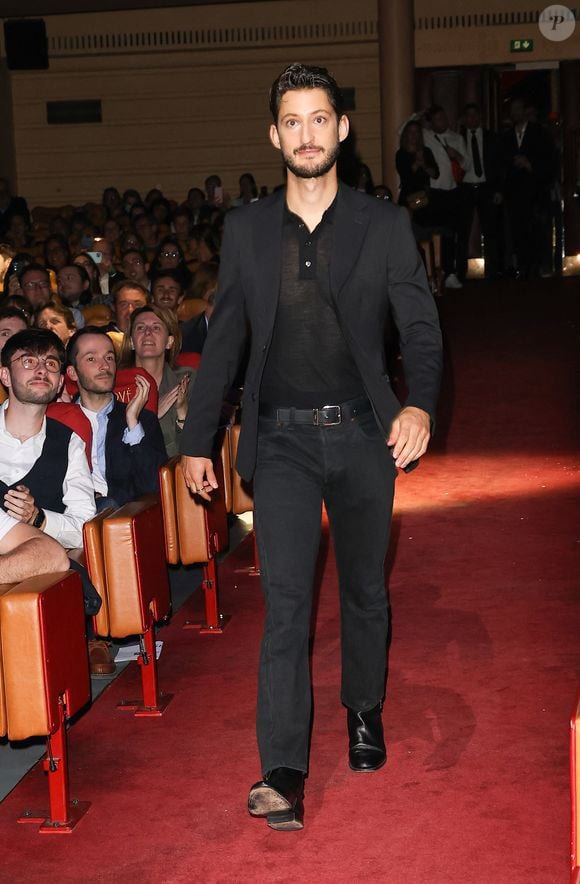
199, 475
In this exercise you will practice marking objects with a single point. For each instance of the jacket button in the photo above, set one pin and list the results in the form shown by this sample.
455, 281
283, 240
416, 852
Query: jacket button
253, 397
264, 348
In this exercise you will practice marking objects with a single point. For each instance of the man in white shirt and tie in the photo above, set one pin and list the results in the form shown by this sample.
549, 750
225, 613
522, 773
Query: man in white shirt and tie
481, 191
445, 196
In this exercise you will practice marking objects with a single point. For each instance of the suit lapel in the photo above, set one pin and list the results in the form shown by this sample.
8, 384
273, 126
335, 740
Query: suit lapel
350, 223
267, 245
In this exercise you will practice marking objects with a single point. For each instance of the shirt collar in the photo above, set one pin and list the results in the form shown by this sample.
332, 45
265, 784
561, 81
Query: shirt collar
327, 218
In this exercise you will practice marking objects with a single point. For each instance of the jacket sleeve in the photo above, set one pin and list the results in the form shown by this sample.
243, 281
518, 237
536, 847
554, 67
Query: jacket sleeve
222, 352
415, 316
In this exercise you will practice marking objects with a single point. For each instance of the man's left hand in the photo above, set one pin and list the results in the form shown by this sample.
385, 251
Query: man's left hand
19, 503
135, 406
409, 436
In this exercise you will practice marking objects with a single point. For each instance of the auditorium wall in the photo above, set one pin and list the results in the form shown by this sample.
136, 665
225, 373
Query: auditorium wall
183, 91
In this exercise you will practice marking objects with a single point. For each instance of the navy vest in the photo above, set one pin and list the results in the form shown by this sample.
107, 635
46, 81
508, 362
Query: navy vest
46, 477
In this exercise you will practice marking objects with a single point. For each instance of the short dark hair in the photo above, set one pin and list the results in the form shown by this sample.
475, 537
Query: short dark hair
36, 267
170, 273
36, 341
13, 313
435, 109
73, 343
303, 76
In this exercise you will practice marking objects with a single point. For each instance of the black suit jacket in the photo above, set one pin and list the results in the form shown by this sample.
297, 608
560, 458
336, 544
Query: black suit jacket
537, 147
133, 470
375, 267
193, 334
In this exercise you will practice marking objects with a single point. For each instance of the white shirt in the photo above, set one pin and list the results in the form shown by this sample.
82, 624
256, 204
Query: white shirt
78, 496
470, 176
437, 142
520, 133
7, 523
99, 421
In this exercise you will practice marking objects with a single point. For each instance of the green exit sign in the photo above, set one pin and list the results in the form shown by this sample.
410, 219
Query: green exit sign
521, 45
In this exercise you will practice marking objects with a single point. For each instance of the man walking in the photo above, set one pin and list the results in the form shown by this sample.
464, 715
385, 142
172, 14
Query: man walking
314, 271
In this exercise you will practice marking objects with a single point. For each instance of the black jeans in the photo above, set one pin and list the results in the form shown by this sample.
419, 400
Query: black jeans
350, 468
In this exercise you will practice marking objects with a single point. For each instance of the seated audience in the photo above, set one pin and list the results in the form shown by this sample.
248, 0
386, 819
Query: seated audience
44, 473
134, 266
169, 256
35, 285
153, 343
74, 289
56, 252
6, 255
84, 260
57, 318
128, 296
12, 320
18, 234
11, 282
128, 447
167, 290
194, 331
248, 190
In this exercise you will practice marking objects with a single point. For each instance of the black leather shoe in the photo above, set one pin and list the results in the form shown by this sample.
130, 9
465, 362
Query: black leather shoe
366, 743
278, 797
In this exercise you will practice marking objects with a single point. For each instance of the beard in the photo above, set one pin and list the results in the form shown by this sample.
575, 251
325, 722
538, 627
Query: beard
103, 385
329, 158
32, 395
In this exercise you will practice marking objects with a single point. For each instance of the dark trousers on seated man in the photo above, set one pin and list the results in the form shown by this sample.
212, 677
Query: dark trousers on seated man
349, 468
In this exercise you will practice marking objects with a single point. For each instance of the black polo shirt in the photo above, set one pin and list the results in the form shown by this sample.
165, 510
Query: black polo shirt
309, 364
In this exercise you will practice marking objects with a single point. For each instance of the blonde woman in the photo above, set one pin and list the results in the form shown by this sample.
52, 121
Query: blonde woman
153, 343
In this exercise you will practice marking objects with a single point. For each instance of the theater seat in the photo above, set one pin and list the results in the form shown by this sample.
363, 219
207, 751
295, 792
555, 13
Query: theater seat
125, 556
45, 678
575, 791
195, 531
240, 499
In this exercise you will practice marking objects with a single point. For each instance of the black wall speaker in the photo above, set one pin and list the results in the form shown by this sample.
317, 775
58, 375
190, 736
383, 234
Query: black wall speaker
26, 44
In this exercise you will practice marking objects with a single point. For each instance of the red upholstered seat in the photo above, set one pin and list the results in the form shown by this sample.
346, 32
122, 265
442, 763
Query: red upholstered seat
575, 791
188, 360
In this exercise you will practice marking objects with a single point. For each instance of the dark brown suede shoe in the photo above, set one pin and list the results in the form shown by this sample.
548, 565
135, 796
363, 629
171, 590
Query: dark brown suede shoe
100, 659
366, 743
278, 797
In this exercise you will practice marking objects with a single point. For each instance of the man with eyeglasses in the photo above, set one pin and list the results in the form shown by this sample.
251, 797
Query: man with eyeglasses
135, 267
35, 284
45, 479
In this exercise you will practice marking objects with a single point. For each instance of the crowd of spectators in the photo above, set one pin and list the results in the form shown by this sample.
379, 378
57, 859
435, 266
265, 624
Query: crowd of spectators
104, 312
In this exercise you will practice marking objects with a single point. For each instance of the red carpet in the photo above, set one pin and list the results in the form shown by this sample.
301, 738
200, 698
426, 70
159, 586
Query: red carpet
483, 668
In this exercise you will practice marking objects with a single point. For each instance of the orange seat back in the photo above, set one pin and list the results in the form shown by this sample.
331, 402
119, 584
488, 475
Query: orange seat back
242, 498
44, 653
135, 566
95, 564
168, 506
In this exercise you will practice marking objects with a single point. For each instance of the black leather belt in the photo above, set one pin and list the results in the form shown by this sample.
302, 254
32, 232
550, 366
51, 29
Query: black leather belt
326, 416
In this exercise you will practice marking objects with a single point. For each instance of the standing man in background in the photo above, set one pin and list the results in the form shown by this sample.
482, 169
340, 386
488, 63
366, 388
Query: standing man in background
314, 271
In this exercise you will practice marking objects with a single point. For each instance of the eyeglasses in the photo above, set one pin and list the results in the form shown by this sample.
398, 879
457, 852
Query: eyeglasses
29, 362
170, 254
35, 285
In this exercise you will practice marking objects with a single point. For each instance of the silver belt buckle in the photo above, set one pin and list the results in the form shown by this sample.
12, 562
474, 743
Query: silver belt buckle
327, 416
